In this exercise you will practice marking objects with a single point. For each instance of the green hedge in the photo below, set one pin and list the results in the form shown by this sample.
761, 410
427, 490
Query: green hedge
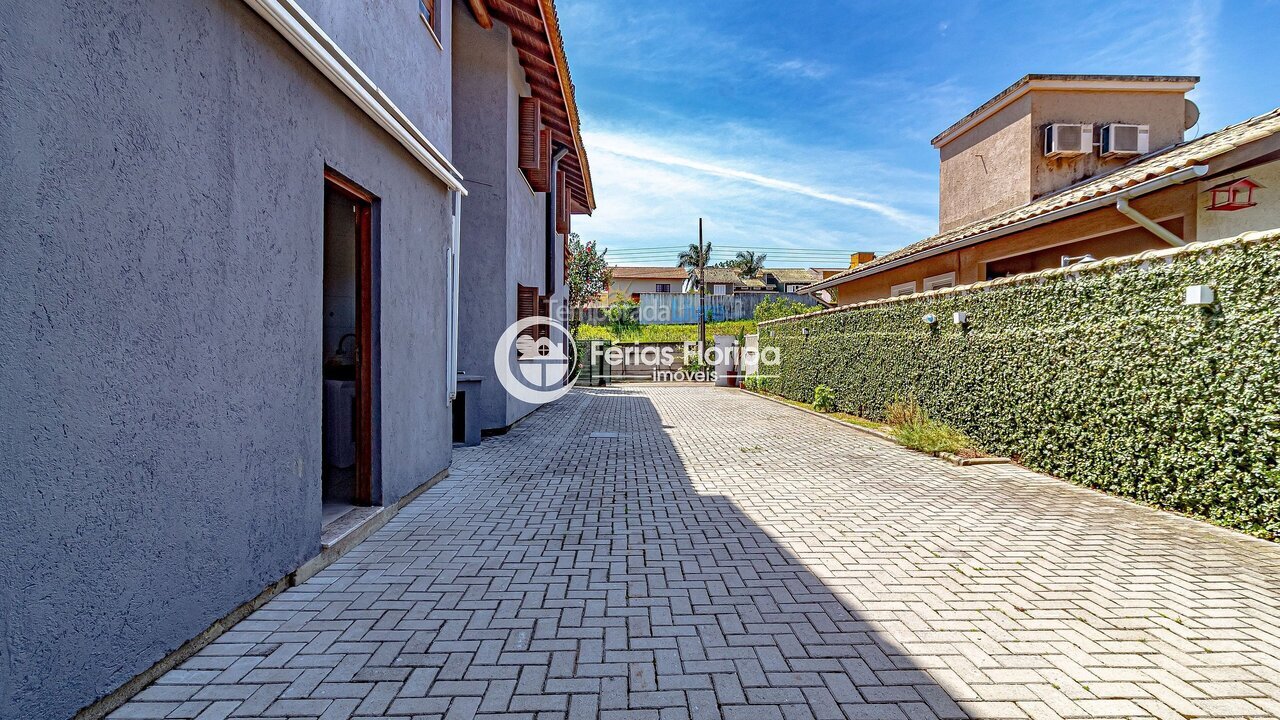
1099, 375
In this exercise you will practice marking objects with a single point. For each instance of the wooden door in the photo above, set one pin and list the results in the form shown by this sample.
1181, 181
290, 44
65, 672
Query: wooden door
363, 203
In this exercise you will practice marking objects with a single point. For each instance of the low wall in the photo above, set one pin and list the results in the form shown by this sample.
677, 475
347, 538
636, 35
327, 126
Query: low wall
1096, 373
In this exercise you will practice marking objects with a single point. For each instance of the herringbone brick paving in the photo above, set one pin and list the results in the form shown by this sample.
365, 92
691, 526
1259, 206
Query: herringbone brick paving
713, 555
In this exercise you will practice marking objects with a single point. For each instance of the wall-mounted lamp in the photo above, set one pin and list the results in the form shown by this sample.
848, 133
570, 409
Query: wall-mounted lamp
931, 320
1073, 259
805, 332
960, 318
1200, 296
771, 332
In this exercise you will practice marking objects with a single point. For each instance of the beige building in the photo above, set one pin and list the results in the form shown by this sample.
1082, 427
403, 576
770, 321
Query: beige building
1060, 169
629, 281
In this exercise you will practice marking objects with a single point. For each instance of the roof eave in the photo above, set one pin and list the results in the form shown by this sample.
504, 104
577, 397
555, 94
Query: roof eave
1177, 177
552, 23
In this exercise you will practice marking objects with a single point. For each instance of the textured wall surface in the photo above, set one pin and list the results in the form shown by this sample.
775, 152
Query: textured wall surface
161, 266
1099, 375
1219, 223
503, 241
391, 44
988, 169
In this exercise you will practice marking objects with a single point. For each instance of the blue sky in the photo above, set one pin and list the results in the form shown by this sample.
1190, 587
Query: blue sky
806, 124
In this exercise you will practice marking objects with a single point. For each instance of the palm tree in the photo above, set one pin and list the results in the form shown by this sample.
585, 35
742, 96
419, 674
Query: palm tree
749, 262
694, 259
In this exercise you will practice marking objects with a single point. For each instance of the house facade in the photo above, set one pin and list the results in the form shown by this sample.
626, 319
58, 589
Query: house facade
527, 174
233, 306
724, 281
629, 281
789, 280
1062, 169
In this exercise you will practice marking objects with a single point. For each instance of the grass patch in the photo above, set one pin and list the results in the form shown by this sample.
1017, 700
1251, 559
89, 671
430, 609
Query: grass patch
842, 417
665, 333
859, 421
913, 427
908, 423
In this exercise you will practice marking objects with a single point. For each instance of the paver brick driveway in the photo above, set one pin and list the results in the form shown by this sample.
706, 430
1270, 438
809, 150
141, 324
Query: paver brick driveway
672, 552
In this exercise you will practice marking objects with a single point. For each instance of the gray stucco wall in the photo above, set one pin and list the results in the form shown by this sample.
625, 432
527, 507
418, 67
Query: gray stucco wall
161, 270
503, 241
526, 216
391, 44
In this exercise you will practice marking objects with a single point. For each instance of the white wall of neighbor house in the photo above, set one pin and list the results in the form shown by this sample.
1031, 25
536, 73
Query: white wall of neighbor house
626, 287
1215, 224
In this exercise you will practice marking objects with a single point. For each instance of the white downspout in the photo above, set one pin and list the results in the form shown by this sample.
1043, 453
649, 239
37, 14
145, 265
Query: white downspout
1123, 207
451, 362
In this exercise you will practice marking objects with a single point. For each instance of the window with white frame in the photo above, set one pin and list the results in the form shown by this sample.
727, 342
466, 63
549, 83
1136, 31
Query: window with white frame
793, 288
719, 289
905, 288
945, 280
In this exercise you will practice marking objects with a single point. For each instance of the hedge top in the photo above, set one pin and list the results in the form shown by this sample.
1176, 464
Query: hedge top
1167, 254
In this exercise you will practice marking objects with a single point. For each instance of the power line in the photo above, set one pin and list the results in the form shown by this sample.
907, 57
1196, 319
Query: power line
634, 253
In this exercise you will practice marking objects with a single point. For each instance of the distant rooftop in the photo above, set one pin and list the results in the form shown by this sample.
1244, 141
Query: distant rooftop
646, 272
1039, 81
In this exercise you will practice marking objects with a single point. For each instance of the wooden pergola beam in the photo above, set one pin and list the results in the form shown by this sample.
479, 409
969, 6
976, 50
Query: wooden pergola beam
481, 12
513, 15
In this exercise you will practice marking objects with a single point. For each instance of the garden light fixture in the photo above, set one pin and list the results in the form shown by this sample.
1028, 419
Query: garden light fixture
1200, 296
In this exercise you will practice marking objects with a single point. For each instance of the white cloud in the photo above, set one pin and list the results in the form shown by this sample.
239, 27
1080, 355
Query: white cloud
753, 191
808, 69
644, 150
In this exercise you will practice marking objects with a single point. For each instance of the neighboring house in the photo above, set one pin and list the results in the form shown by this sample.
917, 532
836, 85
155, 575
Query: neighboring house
629, 281
229, 302
517, 142
830, 295
723, 281
789, 280
1063, 168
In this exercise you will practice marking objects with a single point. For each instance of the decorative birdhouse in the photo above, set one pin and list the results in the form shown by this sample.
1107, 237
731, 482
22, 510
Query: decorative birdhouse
1234, 195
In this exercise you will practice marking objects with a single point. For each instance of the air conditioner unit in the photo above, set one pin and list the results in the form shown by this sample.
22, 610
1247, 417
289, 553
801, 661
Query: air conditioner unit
1120, 139
1067, 139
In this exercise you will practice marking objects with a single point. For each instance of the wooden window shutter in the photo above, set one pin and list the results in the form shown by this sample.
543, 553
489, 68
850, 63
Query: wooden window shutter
544, 309
540, 179
562, 202
527, 307
530, 133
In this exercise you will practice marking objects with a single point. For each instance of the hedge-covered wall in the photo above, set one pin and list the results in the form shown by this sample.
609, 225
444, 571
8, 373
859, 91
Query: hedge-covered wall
1098, 374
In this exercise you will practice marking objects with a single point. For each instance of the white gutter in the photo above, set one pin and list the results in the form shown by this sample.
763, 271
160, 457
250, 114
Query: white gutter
1143, 188
321, 51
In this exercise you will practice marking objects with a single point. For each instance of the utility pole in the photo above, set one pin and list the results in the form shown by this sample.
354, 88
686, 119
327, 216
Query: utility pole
702, 296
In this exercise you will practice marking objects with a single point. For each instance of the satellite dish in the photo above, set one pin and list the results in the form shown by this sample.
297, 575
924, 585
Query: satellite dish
1192, 115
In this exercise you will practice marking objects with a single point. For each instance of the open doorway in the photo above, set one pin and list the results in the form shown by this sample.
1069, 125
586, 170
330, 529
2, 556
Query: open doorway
347, 474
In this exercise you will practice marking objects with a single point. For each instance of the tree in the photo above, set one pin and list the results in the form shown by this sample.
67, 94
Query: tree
748, 262
623, 318
693, 259
774, 308
589, 275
